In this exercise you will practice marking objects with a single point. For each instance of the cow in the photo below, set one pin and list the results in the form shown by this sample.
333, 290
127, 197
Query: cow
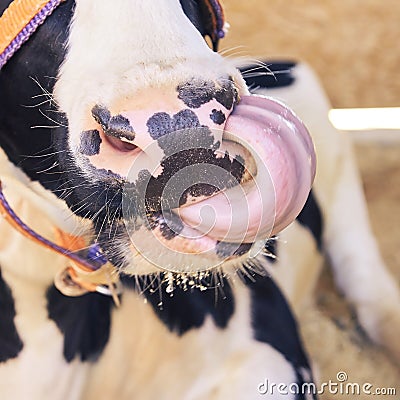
100, 111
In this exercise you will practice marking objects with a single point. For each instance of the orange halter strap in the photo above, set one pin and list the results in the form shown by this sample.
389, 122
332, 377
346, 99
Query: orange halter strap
88, 271
19, 21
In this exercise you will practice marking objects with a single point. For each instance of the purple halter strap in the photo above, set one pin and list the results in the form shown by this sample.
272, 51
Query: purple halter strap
27, 30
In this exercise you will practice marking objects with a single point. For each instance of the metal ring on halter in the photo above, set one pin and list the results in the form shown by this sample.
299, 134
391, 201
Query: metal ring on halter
83, 275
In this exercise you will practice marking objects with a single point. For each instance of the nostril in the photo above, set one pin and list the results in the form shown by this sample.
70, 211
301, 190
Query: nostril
120, 144
116, 129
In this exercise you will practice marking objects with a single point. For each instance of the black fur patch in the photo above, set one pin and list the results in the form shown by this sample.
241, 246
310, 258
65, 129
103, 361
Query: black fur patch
40, 57
203, 15
301, 381
311, 217
217, 116
187, 309
273, 323
84, 321
90, 142
271, 75
10, 342
89, 196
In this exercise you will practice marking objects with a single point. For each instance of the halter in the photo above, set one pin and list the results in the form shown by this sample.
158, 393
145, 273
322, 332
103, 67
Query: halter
19, 21
89, 270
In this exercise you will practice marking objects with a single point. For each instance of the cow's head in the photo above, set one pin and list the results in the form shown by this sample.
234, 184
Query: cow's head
159, 143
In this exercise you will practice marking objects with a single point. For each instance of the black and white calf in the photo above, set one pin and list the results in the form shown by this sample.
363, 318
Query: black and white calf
136, 96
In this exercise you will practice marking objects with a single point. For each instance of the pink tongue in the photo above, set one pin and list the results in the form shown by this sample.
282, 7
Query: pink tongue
285, 160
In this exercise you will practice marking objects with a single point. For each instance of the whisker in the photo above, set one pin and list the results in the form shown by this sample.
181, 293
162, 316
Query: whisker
37, 105
55, 164
229, 50
52, 120
45, 91
42, 155
45, 126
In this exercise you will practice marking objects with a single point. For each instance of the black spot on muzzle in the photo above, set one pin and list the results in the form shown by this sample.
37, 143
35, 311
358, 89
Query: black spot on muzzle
90, 142
196, 92
217, 116
181, 131
117, 126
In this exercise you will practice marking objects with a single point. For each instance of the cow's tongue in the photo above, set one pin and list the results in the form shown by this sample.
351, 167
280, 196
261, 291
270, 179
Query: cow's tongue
285, 169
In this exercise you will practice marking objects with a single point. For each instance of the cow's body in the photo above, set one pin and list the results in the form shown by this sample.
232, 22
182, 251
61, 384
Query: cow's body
195, 345
217, 343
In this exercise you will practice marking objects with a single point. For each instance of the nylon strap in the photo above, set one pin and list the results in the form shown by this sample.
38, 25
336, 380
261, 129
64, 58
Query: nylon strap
213, 14
19, 21
92, 273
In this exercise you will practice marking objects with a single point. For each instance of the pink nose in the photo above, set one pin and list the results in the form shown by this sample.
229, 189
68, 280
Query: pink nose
151, 118
202, 127
263, 150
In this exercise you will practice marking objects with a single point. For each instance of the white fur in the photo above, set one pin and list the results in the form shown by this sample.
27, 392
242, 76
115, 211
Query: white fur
133, 48
202, 364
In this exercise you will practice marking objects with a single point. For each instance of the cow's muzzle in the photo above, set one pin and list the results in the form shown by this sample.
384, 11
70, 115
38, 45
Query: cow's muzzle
204, 181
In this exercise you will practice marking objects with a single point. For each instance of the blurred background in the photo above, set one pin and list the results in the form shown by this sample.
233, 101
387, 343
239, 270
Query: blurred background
354, 47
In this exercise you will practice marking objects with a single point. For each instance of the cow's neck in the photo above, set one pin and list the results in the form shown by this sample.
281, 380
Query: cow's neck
42, 211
